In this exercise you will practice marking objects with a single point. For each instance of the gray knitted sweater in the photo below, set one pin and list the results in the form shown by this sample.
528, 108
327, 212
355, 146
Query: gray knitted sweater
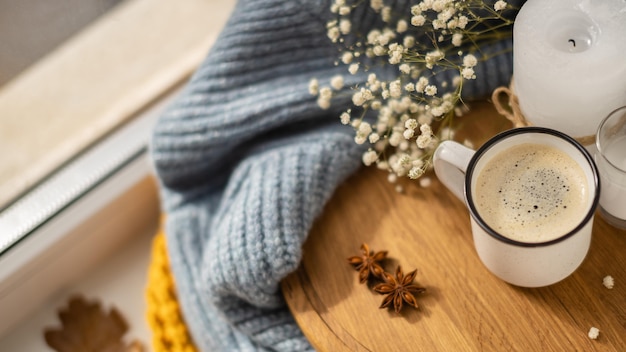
246, 161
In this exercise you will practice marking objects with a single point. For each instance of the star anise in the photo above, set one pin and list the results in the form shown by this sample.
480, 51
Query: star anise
368, 263
399, 289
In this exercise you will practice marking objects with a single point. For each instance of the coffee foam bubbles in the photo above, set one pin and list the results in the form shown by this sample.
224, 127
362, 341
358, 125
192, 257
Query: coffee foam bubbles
532, 193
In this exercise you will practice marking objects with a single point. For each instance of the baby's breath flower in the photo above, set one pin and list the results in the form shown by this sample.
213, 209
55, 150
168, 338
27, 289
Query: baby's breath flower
347, 57
456, 81
380, 50
437, 111
372, 36
402, 26
370, 157
418, 20
453, 23
395, 139
395, 53
438, 5
415, 172
401, 137
314, 86
593, 333
371, 79
432, 57
445, 15
425, 119
404, 160
336, 82
417, 161
333, 33
424, 140
377, 5
362, 132
411, 123
421, 84
323, 103
362, 96
425, 182
408, 41
457, 39
345, 118
395, 89
439, 24
386, 36
354, 68
386, 14
468, 73
430, 90
462, 22
345, 26
499, 5
470, 60
326, 93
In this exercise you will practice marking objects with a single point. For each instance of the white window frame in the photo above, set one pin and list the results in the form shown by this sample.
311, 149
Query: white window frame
81, 213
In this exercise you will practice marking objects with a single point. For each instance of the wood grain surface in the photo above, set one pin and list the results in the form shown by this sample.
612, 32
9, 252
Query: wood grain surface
465, 307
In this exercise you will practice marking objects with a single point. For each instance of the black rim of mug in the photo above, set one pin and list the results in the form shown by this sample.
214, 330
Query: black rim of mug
522, 130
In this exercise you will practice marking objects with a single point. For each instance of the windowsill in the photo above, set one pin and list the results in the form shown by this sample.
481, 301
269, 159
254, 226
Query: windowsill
98, 85
120, 284
98, 80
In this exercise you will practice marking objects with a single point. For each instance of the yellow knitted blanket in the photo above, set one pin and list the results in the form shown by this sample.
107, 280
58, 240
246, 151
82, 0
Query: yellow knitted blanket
169, 332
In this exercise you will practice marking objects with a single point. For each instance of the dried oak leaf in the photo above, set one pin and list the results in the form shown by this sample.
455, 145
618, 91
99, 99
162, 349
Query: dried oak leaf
367, 263
88, 328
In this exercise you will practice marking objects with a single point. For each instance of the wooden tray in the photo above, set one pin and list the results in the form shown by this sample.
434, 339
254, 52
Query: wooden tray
465, 307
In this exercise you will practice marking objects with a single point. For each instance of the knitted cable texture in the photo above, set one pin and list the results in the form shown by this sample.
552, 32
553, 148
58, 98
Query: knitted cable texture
246, 161
169, 332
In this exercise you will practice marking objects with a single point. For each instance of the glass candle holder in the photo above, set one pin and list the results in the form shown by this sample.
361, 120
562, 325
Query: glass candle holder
611, 160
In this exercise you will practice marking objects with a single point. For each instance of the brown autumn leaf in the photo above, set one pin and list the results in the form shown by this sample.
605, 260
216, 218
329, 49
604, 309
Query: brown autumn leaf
88, 328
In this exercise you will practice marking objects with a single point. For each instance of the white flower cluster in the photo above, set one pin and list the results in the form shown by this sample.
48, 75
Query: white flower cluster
413, 114
593, 333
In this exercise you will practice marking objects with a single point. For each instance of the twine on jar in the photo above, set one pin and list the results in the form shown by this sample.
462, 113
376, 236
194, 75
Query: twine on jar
507, 105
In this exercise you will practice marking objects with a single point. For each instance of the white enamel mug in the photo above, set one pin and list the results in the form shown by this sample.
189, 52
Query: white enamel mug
526, 264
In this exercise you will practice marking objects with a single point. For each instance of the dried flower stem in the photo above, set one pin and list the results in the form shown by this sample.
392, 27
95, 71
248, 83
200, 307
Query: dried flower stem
404, 118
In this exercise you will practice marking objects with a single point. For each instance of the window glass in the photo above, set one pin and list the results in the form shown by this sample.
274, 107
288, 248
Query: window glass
29, 31
72, 71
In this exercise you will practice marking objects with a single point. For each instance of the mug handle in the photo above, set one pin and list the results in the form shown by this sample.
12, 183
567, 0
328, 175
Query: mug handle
450, 162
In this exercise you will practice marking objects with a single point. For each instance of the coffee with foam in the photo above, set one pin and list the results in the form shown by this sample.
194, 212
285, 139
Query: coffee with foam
532, 193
